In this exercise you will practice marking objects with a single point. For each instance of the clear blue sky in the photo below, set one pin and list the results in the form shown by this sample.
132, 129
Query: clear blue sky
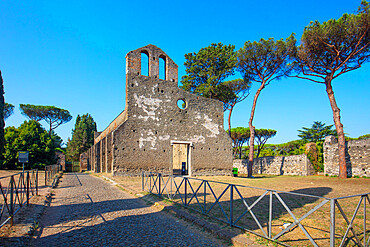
71, 54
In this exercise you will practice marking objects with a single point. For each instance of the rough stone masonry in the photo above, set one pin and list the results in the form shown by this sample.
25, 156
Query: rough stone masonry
298, 165
163, 128
357, 157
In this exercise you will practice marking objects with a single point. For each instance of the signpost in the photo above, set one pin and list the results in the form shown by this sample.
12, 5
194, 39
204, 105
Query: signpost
23, 157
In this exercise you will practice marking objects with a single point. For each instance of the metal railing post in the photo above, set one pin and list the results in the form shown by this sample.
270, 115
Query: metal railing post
332, 222
28, 188
185, 201
270, 215
37, 181
231, 204
205, 197
171, 181
150, 182
11, 200
364, 198
46, 175
186, 191
142, 180
159, 185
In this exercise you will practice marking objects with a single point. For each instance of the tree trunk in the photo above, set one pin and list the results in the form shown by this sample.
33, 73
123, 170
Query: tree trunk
258, 151
50, 130
229, 119
251, 129
339, 128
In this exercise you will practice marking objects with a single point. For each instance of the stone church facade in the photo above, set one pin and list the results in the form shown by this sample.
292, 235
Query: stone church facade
163, 128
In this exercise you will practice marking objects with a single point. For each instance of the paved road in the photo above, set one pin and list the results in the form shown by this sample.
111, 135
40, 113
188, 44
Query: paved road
88, 211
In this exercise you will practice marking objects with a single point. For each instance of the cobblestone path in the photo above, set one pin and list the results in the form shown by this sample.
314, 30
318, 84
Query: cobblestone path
88, 211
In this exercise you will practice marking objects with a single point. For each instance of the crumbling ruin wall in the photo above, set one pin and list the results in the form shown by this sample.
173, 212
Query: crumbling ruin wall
61, 159
84, 162
278, 165
357, 157
142, 137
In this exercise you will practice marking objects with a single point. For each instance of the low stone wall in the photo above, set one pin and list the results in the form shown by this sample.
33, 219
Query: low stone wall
357, 157
278, 165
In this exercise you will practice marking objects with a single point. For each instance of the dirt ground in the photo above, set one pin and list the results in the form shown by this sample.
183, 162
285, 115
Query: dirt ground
317, 224
214, 198
25, 220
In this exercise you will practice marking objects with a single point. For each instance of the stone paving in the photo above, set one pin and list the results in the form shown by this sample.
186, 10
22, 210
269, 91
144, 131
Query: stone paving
87, 211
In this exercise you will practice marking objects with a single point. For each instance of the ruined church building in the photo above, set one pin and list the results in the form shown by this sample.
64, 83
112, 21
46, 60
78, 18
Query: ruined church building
163, 128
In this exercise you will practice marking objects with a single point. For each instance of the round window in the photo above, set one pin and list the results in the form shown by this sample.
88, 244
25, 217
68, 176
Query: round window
181, 104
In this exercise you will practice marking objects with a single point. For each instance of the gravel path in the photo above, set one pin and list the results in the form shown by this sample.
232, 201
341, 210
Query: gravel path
88, 211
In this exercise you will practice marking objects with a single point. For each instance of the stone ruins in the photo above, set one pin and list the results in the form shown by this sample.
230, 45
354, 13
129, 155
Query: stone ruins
357, 157
163, 128
298, 165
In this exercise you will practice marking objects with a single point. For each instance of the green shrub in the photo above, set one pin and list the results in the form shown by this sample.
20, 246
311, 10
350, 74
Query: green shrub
29, 136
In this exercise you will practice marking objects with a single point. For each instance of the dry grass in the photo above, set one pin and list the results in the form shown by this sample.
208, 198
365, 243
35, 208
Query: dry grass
317, 224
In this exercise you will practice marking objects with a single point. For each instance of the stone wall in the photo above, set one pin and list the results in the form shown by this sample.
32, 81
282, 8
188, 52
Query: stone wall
143, 136
84, 163
357, 157
278, 165
61, 159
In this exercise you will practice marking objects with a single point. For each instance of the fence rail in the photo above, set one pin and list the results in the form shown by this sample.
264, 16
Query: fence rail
16, 191
261, 213
50, 174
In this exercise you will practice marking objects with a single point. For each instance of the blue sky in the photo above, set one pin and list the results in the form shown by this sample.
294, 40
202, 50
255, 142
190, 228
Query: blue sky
71, 54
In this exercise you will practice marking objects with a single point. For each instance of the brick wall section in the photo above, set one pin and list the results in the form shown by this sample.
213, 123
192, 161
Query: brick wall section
357, 157
152, 122
278, 165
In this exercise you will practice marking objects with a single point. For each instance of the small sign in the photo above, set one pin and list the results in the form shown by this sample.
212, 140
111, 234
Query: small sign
23, 156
